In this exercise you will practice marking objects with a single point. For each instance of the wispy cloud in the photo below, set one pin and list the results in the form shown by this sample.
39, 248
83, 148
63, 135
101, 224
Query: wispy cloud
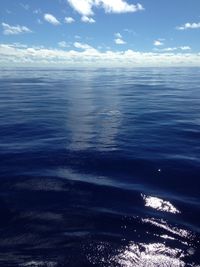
85, 7
13, 30
37, 11
39, 21
171, 49
8, 11
69, 20
189, 25
87, 19
25, 6
51, 19
63, 44
185, 48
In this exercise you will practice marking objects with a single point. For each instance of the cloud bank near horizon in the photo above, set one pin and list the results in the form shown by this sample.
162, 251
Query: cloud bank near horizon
85, 55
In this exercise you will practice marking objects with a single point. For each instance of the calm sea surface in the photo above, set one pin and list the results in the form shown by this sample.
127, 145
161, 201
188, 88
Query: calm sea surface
100, 167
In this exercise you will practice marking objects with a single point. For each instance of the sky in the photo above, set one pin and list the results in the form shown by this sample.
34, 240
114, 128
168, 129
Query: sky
113, 33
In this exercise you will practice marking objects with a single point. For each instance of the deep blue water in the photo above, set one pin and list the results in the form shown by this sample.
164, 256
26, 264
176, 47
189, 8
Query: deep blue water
100, 167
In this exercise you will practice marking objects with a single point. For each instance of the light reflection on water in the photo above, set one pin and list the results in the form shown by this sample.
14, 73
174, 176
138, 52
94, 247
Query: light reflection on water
160, 223
159, 204
150, 255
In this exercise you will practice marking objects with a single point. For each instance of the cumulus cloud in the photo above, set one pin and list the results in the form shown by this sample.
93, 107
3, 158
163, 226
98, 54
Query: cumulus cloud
189, 25
88, 56
85, 7
69, 20
158, 43
86, 19
51, 19
13, 30
118, 6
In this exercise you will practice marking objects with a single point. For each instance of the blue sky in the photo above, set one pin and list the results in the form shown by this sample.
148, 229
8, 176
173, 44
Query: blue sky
100, 32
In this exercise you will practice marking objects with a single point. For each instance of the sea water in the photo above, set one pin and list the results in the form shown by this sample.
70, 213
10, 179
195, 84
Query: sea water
100, 167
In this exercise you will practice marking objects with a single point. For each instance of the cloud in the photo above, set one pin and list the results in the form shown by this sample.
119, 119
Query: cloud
85, 7
119, 6
17, 55
82, 46
77, 37
118, 35
39, 21
13, 30
25, 6
158, 43
87, 19
170, 49
8, 11
37, 11
69, 20
51, 19
189, 25
119, 40
185, 47
63, 44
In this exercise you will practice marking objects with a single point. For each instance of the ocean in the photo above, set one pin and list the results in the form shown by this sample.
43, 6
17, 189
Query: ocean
100, 167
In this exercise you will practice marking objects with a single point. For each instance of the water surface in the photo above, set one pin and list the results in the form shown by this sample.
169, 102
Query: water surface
100, 167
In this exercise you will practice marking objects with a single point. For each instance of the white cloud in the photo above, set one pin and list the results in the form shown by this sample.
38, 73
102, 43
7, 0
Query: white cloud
118, 6
119, 41
85, 7
63, 44
88, 56
170, 49
51, 19
158, 43
82, 46
189, 25
87, 19
69, 20
118, 35
11, 30
185, 47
